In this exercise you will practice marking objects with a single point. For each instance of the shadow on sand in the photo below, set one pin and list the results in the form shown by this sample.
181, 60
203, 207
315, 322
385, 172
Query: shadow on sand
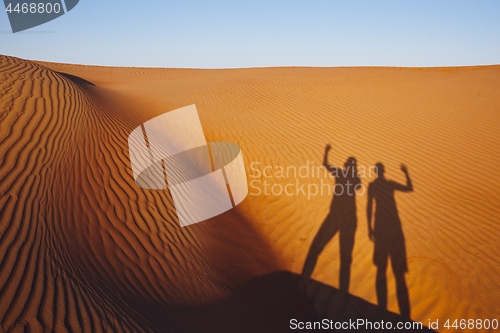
75, 79
269, 303
341, 219
387, 234
384, 229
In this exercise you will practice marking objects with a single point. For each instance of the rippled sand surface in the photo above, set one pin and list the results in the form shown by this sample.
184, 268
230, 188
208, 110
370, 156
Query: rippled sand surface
83, 248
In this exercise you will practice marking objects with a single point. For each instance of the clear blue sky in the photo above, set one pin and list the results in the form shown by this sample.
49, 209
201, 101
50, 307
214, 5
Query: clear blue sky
254, 33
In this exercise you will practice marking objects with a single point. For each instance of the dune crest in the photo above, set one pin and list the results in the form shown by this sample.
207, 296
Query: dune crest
82, 248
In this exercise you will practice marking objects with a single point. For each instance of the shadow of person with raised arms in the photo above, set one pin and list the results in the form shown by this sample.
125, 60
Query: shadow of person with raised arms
341, 218
388, 237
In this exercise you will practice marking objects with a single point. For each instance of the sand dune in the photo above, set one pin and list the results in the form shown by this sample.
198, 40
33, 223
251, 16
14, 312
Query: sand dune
82, 248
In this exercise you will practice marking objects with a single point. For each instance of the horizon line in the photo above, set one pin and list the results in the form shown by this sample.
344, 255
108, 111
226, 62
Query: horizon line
262, 67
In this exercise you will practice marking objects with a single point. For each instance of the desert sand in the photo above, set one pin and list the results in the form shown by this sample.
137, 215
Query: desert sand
83, 248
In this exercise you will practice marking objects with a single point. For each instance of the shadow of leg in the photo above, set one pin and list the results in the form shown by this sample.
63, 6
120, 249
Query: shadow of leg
402, 293
381, 285
325, 233
346, 248
312, 258
345, 275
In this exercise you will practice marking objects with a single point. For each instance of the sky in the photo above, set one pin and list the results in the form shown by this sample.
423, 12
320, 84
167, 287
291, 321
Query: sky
255, 33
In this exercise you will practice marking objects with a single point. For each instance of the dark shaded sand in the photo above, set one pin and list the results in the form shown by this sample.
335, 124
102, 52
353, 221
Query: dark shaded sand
83, 248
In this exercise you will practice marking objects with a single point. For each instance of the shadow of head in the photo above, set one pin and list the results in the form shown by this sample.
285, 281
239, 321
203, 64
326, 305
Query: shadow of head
380, 170
350, 162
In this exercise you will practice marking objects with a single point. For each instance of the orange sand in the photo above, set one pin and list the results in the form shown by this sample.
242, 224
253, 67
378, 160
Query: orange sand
83, 248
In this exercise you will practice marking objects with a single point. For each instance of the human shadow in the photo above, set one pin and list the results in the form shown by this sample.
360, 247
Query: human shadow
341, 219
387, 234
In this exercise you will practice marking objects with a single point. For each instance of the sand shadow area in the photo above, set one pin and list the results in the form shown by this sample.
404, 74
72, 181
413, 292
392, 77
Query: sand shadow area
269, 304
76, 79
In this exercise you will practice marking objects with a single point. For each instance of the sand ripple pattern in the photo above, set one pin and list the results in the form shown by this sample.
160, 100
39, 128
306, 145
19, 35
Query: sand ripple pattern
84, 249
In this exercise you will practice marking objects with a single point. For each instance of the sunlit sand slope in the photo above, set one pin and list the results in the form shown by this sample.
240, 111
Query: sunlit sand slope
82, 247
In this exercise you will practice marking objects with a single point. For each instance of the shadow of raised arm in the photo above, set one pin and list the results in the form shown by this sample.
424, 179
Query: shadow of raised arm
404, 188
329, 167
